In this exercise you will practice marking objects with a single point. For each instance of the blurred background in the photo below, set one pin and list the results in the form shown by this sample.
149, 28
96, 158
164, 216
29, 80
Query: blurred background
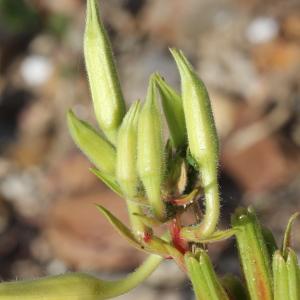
248, 54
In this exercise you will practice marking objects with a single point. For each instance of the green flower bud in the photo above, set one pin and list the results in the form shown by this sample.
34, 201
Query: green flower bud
100, 152
173, 109
293, 275
105, 88
126, 170
202, 142
280, 277
254, 254
150, 159
204, 279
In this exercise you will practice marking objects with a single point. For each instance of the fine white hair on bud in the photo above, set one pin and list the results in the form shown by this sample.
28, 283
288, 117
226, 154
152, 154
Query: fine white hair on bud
105, 88
150, 157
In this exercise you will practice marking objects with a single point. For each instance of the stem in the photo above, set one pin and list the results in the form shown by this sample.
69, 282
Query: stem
77, 286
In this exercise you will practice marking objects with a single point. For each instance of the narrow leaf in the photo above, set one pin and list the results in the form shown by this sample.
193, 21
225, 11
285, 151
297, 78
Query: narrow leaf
120, 227
100, 152
108, 180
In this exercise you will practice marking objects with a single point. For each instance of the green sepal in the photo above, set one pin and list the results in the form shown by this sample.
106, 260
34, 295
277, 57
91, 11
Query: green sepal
234, 288
254, 255
105, 88
77, 286
99, 151
217, 236
205, 282
280, 277
173, 109
108, 181
287, 235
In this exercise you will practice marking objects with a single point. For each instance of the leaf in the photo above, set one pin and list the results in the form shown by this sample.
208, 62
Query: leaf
120, 227
108, 180
100, 152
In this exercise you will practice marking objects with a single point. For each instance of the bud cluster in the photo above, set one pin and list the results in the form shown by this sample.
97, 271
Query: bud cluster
159, 180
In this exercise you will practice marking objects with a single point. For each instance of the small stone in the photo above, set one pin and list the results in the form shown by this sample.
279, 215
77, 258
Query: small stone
262, 30
36, 70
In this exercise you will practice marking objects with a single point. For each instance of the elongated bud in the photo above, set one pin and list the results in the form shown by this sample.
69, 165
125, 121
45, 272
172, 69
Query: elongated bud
105, 88
293, 275
204, 279
126, 170
280, 277
173, 109
253, 254
100, 152
150, 152
202, 142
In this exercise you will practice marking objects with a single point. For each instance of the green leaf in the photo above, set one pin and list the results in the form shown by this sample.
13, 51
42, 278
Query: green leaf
108, 180
105, 88
254, 255
100, 152
173, 109
120, 227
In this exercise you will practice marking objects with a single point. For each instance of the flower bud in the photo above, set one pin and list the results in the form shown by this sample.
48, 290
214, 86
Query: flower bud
254, 254
280, 276
126, 169
150, 158
100, 152
204, 279
173, 109
202, 140
293, 275
105, 88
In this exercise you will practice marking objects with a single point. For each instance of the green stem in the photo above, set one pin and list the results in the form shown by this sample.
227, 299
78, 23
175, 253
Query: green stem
77, 286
